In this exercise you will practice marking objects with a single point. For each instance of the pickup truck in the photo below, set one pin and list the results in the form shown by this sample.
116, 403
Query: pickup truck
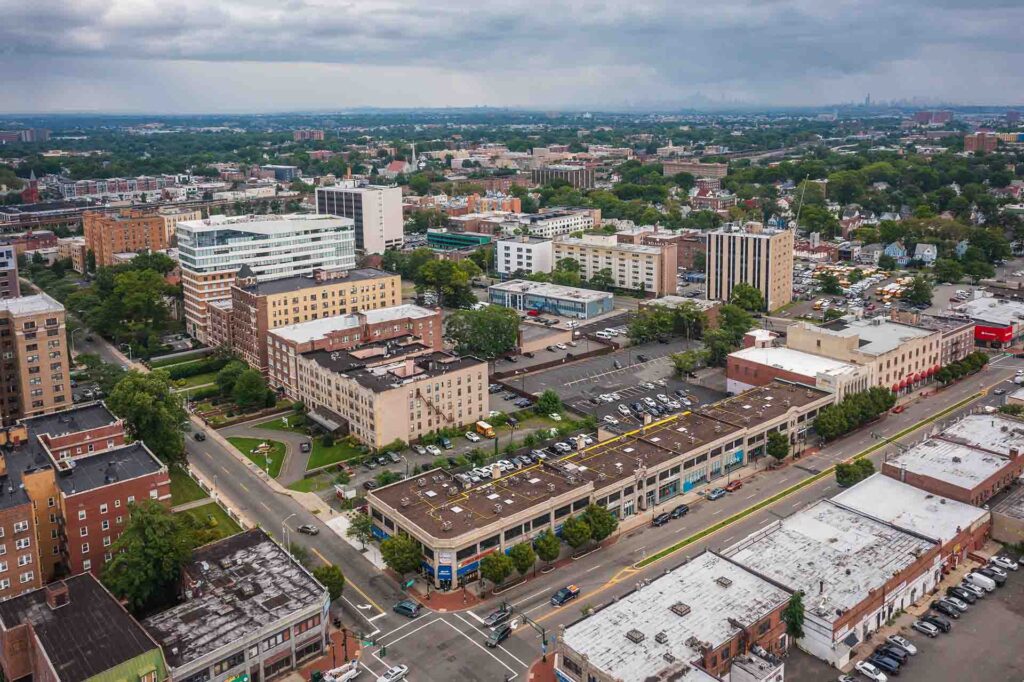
567, 593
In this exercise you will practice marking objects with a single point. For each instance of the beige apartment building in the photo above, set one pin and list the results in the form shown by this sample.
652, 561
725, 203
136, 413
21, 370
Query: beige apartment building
900, 356
35, 376
75, 250
172, 216
753, 255
386, 391
257, 307
651, 269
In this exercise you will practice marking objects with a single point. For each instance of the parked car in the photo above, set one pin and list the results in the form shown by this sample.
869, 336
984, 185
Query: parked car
890, 666
394, 457
894, 652
407, 608
419, 449
926, 628
958, 603
961, 593
991, 575
1001, 572
472, 437
945, 608
661, 519
680, 510
1005, 562
499, 635
554, 416
977, 591
608, 419
623, 410
938, 621
497, 617
733, 486
869, 671
308, 529
716, 494
903, 643
662, 397
199, 436
446, 444
394, 673
369, 485
567, 593
434, 450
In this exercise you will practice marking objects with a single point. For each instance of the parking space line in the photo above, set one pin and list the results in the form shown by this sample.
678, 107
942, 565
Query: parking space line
379, 615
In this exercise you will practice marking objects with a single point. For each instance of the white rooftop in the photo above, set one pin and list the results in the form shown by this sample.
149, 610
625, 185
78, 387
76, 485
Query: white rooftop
876, 335
672, 301
31, 305
268, 224
304, 332
992, 432
910, 508
522, 286
696, 586
629, 248
959, 465
997, 310
835, 556
796, 361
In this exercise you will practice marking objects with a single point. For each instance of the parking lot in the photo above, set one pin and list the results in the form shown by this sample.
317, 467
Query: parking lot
639, 393
984, 644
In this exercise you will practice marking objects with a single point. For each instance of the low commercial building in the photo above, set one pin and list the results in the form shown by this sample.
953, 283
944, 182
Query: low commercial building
525, 295
957, 333
446, 240
998, 322
756, 366
703, 616
248, 610
525, 254
709, 308
74, 630
384, 392
555, 222
650, 269
855, 572
634, 476
899, 357
409, 323
1008, 518
957, 528
970, 461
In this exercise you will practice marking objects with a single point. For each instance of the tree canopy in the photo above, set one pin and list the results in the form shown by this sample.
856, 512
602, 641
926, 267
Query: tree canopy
486, 333
152, 413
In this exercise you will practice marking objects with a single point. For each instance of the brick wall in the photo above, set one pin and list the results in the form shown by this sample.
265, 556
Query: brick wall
756, 374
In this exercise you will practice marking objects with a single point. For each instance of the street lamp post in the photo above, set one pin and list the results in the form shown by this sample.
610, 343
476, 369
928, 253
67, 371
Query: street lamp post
72, 337
284, 532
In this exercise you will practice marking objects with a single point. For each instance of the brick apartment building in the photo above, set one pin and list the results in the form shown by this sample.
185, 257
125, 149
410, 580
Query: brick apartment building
67, 481
980, 142
694, 168
9, 284
257, 307
307, 134
35, 375
128, 231
32, 240
687, 243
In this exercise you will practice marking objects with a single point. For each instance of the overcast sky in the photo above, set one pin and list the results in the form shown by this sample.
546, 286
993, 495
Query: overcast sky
171, 56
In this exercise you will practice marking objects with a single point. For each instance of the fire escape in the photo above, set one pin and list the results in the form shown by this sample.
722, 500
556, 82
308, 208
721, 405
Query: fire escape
434, 408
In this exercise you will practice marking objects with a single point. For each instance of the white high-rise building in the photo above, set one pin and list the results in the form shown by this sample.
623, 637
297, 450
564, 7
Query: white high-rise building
376, 210
211, 251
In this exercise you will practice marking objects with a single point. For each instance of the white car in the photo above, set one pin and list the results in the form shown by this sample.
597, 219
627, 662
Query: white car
472, 437
398, 672
674, 405
434, 450
662, 397
973, 589
649, 401
869, 671
903, 643
555, 417
604, 397
505, 465
562, 447
493, 413
1002, 561
623, 410
608, 419
648, 385
561, 346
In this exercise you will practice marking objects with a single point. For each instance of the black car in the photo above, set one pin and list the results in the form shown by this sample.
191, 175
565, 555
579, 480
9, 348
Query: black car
680, 511
199, 436
499, 635
680, 393
885, 664
370, 485
452, 462
642, 358
661, 519
945, 609
529, 354
898, 654
497, 617
938, 621
989, 573
962, 594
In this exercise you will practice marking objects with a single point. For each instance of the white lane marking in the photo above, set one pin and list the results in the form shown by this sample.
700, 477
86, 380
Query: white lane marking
482, 647
400, 627
476, 616
379, 615
411, 632
593, 568
535, 594
513, 656
750, 497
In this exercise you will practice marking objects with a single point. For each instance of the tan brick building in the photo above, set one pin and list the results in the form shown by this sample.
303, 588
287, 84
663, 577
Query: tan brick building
257, 307
651, 269
129, 231
751, 255
34, 367
75, 250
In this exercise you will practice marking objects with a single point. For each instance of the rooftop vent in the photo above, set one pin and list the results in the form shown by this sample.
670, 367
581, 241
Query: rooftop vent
661, 638
404, 501
957, 460
422, 482
723, 581
680, 609
669, 658
635, 636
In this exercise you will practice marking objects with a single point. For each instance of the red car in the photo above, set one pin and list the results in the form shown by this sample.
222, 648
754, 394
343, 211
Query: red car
734, 485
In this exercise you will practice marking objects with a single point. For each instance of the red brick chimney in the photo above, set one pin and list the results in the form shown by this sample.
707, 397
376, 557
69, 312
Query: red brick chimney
57, 594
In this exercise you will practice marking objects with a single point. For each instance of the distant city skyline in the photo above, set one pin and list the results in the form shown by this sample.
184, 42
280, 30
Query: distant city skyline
234, 56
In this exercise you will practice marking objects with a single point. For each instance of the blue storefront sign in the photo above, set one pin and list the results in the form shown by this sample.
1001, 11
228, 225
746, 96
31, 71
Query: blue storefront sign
444, 572
379, 534
469, 568
427, 568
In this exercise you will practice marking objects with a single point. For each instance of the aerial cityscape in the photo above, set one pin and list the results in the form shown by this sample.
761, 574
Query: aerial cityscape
592, 344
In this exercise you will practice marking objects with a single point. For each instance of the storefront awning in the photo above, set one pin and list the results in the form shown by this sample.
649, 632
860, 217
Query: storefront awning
851, 640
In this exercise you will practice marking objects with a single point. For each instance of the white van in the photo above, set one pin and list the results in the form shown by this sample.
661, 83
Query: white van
984, 582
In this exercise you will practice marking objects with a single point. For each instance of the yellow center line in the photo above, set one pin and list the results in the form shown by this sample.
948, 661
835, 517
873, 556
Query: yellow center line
348, 581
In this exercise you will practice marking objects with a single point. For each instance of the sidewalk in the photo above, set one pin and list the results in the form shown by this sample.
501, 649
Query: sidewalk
541, 671
445, 602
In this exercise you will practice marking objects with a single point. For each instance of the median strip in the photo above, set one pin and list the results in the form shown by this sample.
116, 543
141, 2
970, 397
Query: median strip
672, 549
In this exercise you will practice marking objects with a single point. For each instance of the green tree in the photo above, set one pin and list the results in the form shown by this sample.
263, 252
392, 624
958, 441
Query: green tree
688, 361
602, 280
495, 567
948, 270
793, 616
829, 284
777, 446
387, 478
576, 531
978, 270
147, 557
567, 273
886, 262
747, 297
718, 343
228, 375
548, 403
153, 414
602, 522
485, 333
547, 545
361, 528
846, 186
420, 184
650, 323
919, 291
331, 577
250, 390
523, 557
401, 554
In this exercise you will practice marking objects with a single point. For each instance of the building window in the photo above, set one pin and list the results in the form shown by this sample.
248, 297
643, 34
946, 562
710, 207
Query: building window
22, 543
105, 525
5, 584
24, 560
26, 577
229, 663
83, 531
86, 565
81, 515
20, 527
85, 548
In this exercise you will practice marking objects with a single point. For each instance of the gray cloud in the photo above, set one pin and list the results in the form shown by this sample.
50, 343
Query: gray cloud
522, 52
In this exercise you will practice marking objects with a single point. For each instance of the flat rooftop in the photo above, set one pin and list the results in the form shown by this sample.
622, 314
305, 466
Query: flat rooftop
317, 329
441, 507
671, 301
85, 637
243, 585
763, 403
912, 509
31, 305
269, 224
996, 433
835, 556
796, 361
403, 364
876, 335
524, 239
1000, 311
79, 418
110, 466
522, 286
300, 282
690, 605
629, 248
956, 464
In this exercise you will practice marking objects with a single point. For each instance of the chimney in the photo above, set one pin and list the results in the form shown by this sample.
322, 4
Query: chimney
1014, 452
57, 595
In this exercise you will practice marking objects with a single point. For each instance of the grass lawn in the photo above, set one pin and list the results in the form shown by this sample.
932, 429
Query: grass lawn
321, 456
312, 484
167, 362
296, 424
213, 516
197, 380
183, 488
276, 455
